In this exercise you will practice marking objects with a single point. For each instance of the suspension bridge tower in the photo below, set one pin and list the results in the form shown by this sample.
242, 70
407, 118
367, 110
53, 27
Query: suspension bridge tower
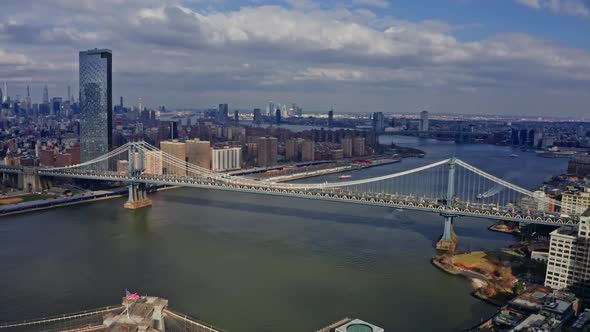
448, 240
137, 192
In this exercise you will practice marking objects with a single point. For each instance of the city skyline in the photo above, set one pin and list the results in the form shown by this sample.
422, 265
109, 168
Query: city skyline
394, 57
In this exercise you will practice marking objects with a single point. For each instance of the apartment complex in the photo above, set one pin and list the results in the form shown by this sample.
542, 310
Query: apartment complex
226, 159
575, 202
568, 266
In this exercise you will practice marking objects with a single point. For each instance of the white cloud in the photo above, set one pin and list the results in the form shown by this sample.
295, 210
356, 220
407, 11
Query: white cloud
176, 50
372, 3
579, 8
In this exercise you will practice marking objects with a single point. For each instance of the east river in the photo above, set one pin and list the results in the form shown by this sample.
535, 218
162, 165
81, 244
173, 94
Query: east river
256, 263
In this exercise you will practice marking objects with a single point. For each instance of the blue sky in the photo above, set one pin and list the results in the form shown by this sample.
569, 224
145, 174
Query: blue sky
528, 57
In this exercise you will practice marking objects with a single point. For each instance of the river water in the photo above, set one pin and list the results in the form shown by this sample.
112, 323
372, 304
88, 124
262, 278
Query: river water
255, 263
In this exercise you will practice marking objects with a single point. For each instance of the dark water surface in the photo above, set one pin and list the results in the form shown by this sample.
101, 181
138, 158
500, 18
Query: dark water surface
257, 263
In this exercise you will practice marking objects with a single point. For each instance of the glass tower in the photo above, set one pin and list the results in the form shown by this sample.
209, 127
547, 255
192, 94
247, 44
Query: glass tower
96, 119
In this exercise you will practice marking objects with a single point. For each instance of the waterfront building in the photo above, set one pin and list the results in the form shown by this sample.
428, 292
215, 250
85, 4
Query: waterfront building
336, 154
198, 153
153, 162
226, 159
579, 165
178, 150
122, 166
568, 265
424, 121
346, 144
96, 119
358, 146
267, 151
575, 202
291, 150
308, 150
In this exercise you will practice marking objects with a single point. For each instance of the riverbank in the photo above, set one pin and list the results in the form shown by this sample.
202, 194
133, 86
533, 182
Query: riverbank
339, 169
94, 196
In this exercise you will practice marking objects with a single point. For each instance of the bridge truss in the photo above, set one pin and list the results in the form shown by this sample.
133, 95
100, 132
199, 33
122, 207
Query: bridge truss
448, 187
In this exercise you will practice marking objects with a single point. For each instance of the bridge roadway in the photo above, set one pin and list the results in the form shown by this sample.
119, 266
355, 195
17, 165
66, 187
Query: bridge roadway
375, 199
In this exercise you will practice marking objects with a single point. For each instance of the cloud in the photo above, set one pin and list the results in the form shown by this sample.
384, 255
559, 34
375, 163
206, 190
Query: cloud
372, 3
170, 52
580, 8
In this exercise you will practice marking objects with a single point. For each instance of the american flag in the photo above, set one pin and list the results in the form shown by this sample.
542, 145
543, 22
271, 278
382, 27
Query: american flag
131, 296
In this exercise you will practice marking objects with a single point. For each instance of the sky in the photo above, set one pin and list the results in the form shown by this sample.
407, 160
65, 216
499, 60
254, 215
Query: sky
504, 57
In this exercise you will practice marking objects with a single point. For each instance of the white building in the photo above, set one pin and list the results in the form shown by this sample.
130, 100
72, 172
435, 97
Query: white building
575, 203
568, 266
226, 159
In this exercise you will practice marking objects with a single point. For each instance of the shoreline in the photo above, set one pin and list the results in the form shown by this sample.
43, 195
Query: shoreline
73, 201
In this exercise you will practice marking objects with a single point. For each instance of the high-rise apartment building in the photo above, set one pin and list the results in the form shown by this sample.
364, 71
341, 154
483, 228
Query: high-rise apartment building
424, 121
153, 162
226, 159
346, 144
291, 150
308, 150
358, 146
568, 266
96, 120
267, 151
177, 150
198, 153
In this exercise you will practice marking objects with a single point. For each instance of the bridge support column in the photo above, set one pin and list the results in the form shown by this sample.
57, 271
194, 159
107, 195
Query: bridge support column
448, 241
137, 197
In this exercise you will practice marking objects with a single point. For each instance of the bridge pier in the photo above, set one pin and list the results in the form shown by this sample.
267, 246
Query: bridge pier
448, 240
137, 197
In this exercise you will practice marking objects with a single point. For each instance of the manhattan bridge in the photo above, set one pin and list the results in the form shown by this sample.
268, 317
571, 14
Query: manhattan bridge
451, 188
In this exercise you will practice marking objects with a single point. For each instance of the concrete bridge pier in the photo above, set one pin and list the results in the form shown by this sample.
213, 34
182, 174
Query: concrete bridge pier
31, 181
448, 240
137, 197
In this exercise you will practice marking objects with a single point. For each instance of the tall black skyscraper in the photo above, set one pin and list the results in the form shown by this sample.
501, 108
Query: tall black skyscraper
96, 103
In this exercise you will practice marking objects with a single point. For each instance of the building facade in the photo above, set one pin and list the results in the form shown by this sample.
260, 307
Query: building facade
177, 150
575, 203
568, 264
226, 159
198, 153
96, 119
267, 151
358, 146
308, 150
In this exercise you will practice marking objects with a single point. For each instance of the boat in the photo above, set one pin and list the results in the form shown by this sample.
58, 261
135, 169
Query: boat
514, 155
344, 177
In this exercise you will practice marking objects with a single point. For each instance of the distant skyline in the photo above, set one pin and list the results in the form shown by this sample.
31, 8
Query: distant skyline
526, 57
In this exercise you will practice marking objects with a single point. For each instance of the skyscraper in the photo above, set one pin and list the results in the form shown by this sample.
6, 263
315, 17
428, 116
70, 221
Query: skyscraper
1, 96
222, 112
45, 95
378, 122
69, 93
5, 95
96, 93
424, 121
330, 118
